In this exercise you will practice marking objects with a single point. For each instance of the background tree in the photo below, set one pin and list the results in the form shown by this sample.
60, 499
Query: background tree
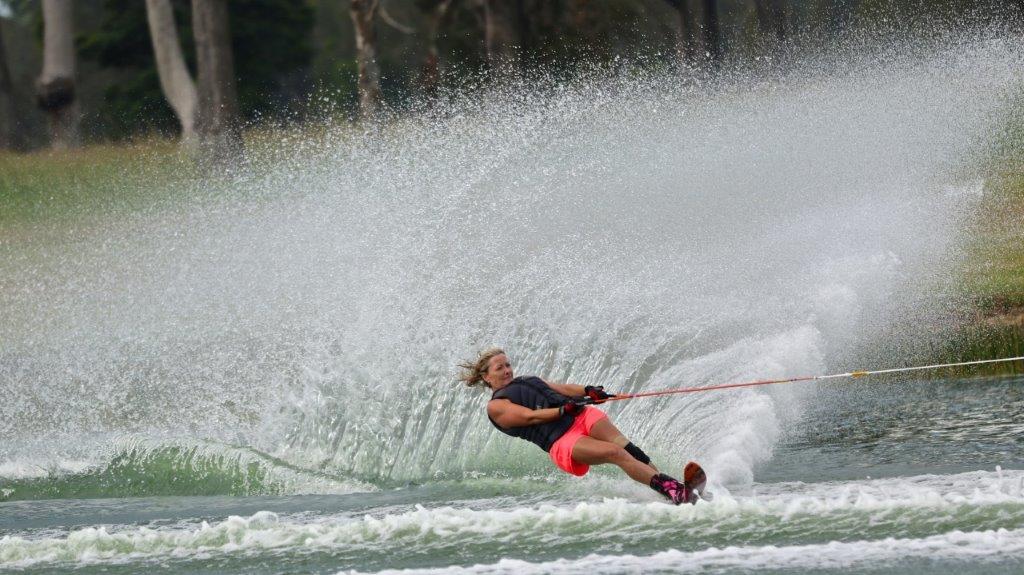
7, 113
285, 51
437, 12
175, 79
771, 18
364, 20
55, 88
710, 27
218, 124
273, 69
687, 40
502, 33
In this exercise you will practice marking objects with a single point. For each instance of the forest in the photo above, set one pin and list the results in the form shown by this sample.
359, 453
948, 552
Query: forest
79, 71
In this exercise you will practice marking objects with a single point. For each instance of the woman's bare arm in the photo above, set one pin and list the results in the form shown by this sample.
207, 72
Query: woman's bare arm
507, 414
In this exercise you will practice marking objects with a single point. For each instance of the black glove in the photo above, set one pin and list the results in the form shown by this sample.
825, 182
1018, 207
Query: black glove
596, 394
572, 407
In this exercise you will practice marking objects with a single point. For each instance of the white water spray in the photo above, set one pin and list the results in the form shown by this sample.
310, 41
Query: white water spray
634, 231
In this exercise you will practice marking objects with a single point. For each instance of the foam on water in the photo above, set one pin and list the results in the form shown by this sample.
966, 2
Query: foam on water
871, 513
993, 547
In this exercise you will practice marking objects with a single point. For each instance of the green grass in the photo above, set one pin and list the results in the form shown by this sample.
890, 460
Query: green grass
45, 187
995, 273
48, 189
993, 282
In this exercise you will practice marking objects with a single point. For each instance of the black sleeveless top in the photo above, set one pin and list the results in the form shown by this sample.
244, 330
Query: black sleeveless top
533, 393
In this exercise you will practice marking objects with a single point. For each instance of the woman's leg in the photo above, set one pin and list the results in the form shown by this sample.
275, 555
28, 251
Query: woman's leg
593, 451
605, 430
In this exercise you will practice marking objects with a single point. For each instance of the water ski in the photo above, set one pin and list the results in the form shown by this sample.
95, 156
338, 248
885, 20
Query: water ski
695, 478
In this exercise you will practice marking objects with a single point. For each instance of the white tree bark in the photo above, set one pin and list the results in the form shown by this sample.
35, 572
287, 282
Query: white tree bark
55, 89
175, 80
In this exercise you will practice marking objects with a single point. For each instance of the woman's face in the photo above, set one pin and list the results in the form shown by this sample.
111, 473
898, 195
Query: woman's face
499, 372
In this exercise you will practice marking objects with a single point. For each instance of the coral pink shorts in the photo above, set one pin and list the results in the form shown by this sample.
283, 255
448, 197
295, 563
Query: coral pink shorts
561, 450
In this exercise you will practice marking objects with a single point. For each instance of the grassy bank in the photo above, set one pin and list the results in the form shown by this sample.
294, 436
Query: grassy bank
996, 271
992, 283
51, 186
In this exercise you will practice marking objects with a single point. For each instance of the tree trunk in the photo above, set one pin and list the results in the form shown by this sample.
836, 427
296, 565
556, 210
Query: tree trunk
711, 32
8, 138
687, 32
430, 78
521, 18
364, 18
55, 88
771, 19
501, 34
687, 44
217, 122
175, 80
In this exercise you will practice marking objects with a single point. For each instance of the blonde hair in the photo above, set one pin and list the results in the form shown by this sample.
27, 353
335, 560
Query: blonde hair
473, 371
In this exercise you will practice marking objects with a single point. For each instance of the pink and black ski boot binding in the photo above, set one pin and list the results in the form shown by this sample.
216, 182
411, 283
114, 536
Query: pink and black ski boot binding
677, 491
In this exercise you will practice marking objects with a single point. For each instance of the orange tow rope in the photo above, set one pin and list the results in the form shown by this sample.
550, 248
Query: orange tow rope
860, 373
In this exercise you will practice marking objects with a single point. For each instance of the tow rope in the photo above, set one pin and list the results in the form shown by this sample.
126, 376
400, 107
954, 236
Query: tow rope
853, 374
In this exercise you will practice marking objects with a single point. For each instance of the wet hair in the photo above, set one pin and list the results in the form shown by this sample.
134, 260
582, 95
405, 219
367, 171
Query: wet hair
473, 371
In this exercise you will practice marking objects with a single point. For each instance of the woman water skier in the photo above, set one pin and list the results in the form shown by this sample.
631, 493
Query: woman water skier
557, 417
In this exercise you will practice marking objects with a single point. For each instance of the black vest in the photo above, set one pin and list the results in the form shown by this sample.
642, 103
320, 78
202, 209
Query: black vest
533, 393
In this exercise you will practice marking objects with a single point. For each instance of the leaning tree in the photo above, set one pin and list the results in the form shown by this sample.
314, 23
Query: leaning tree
175, 80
